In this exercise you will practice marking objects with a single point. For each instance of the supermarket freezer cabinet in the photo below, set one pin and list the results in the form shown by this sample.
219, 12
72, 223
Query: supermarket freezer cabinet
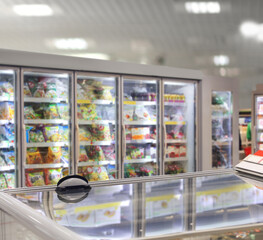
201, 204
102, 120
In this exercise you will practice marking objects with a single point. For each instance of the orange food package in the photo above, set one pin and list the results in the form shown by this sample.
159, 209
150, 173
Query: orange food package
33, 156
54, 155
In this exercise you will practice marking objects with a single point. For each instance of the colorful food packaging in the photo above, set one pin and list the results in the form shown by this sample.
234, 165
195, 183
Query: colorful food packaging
111, 171
51, 90
4, 111
134, 152
29, 113
3, 183
87, 112
83, 157
32, 84
95, 153
104, 93
27, 92
141, 114
109, 152
100, 132
35, 179
182, 151
64, 133
54, 155
63, 110
40, 91
2, 161
36, 136
33, 156
128, 133
140, 133
52, 176
96, 174
7, 89
3, 133
128, 113
65, 154
9, 157
10, 179
129, 171
10, 132
50, 111
52, 134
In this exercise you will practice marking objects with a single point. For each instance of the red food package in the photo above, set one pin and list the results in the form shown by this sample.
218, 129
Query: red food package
35, 179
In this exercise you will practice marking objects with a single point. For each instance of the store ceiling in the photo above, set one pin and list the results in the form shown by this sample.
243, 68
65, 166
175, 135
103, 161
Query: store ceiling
142, 31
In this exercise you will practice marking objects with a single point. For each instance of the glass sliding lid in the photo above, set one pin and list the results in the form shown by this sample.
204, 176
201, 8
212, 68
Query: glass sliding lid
47, 126
222, 129
97, 127
140, 132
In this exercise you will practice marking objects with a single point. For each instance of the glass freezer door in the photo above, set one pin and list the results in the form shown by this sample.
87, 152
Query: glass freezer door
97, 155
179, 126
258, 123
47, 126
222, 129
140, 132
8, 123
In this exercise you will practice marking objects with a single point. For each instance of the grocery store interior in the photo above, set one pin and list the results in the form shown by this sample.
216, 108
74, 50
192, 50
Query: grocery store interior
155, 105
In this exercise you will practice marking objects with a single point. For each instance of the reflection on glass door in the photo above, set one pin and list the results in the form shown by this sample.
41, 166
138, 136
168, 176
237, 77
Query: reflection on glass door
179, 127
8, 153
140, 119
97, 126
46, 126
221, 129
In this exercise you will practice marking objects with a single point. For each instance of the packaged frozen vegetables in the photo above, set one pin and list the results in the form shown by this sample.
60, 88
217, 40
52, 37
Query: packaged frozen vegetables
103, 93
141, 114
2, 181
51, 90
32, 83
140, 133
39, 91
7, 89
87, 112
2, 161
52, 176
10, 179
109, 152
100, 132
129, 171
36, 135
50, 111
9, 157
52, 134
33, 156
128, 113
84, 134
29, 113
3, 133
64, 133
95, 153
35, 179
63, 110
83, 157
134, 152
65, 154
96, 174
7, 110
111, 171
54, 155
27, 92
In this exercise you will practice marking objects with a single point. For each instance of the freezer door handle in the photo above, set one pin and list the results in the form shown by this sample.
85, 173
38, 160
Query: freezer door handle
123, 143
164, 143
24, 147
77, 146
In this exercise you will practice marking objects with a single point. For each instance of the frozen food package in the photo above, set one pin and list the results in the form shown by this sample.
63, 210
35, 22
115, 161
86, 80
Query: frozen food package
182, 151
141, 114
52, 176
7, 89
65, 154
11, 110
64, 133
147, 169
29, 113
100, 132
40, 90
173, 151
109, 152
63, 110
27, 92
84, 134
35, 178
50, 111
104, 93
36, 135
129, 171
96, 174
10, 132
3, 183
3, 133
10, 179
54, 155
32, 84
140, 133
62, 88
9, 157
128, 113
51, 90
52, 134
83, 157
33, 156
95, 153
87, 112
4, 111
128, 133
111, 171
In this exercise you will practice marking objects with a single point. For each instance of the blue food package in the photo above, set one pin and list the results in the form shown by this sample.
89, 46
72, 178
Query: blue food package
9, 157
10, 132
28, 128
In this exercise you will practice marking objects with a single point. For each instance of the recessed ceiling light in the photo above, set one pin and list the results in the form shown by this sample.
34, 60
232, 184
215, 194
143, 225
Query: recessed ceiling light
71, 43
33, 10
202, 7
249, 29
221, 60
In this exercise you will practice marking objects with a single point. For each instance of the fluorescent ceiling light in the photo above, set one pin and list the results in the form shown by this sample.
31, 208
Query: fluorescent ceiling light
249, 29
6, 72
221, 60
202, 7
33, 10
71, 43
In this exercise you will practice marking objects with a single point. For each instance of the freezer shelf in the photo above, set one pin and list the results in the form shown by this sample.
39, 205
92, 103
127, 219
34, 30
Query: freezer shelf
46, 165
99, 102
140, 123
179, 159
6, 168
89, 122
95, 163
175, 123
48, 144
5, 144
146, 160
96, 143
46, 121
143, 141
44, 100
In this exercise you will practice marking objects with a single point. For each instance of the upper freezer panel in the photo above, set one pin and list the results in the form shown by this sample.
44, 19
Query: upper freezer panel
97, 126
47, 126
140, 127
222, 155
8, 129
179, 122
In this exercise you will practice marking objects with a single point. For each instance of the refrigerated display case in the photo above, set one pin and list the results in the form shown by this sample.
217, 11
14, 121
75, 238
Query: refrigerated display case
200, 204
220, 123
46, 125
179, 117
97, 126
9, 163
